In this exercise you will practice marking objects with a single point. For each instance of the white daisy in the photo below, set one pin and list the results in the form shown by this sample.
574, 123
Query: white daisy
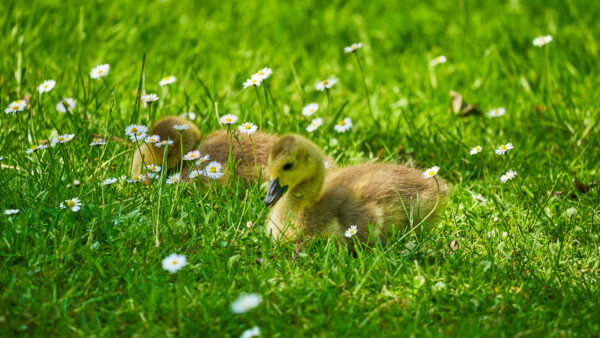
508, 176
189, 115
173, 178
478, 197
228, 119
153, 167
98, 142
192, 155
353, 47
247, 128
181, 127
11, 211
135, 129
475, 150
246, 302
351, 231
153, 176
174, 262
263, 73
108, 181
195, 173
497, 112
213, 170
503, 149
326, 84
153, 139
438, 60
164, 143
73, 204
134, 179
431, 172
253, 81
316, 123
202, 160
46, 86
16, 106
542, 40
149, 98
65, 104
310, 109
35, 148
62, 139
343, 125
167, 80
253, 332
99, 71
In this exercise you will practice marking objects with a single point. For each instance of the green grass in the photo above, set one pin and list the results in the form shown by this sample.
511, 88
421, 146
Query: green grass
527, 263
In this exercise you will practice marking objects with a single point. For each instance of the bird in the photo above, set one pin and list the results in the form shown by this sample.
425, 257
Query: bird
375, 199
249, 152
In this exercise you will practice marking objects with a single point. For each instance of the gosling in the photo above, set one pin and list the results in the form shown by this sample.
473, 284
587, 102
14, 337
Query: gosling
375, 197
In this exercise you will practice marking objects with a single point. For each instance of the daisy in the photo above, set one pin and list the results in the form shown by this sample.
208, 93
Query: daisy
253, 332
351, 231
246, 302
62, 139
508, 176
192, 155
98, 142
316, 123
263, 73
438, 60
134, 179
11, 211
213, 170
99, 71
16, 106
503, 149
253, 81
73, 204
343, 125
135, 129
109, 181
497, 112
153, 176
353, 47
181, 127
174, 262
478, 197
310, 109
475, 150
35, 148
153, 167
247, 128
164, 143
153, 139
542, 40
167, 80
326, 84
149, 98
46, 86
65, 104
228, 119
431, 172
76, 182
173, 179
202, 160
194, 173
189, 115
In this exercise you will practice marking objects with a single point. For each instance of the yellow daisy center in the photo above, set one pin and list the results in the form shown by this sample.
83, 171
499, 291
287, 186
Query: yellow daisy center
174, 262
261, 73
60, 139
45, 86
134, 130
430, 173
136, 177
325, 82
166, 78
228, 119
213, 169
342, 123
100, 71
33, 147
70, 203
15, 107
503, 147
247, 127
254, 80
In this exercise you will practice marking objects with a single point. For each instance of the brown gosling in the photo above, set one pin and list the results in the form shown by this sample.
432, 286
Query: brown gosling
306, 199
248, 152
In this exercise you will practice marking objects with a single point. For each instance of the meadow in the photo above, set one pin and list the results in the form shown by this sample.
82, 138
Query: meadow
513, 257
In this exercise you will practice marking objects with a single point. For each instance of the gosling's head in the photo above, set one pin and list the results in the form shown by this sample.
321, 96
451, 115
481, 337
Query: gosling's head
292, 160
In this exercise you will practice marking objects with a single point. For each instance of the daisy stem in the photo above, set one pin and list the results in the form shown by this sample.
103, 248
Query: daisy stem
21, 136
260, 121
328, 100
368, 97
160, 186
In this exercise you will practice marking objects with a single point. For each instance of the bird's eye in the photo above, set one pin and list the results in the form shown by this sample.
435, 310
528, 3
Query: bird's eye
288, 166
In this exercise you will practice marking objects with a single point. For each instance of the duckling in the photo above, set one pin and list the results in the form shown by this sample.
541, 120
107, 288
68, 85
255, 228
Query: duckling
216, 145
304, 198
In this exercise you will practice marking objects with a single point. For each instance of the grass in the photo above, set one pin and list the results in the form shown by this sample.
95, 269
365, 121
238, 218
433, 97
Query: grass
526, 262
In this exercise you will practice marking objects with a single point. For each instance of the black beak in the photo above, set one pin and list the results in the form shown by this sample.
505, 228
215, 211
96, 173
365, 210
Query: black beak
274, 193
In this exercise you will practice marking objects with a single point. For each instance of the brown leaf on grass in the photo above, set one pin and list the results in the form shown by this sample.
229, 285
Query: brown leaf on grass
460, 107
581, 187
453, 247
